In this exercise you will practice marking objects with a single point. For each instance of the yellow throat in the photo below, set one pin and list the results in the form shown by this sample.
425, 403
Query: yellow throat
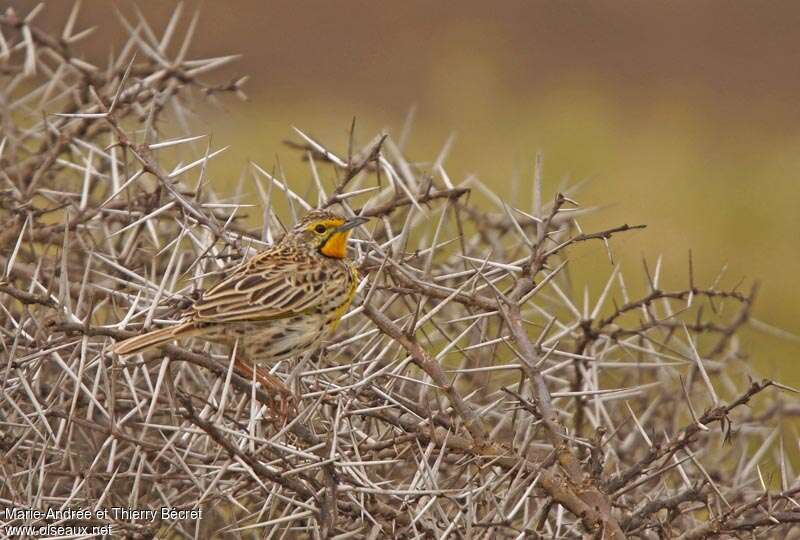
336, 245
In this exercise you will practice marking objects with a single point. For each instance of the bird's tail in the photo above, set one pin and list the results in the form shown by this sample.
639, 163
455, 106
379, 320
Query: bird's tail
152, 339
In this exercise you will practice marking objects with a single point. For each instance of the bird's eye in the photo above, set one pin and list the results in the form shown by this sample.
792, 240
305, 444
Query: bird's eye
320, 228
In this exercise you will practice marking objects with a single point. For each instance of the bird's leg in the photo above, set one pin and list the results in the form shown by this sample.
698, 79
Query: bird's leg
286, 401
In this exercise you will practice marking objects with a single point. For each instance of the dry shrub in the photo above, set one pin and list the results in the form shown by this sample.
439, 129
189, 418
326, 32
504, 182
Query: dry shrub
468, 393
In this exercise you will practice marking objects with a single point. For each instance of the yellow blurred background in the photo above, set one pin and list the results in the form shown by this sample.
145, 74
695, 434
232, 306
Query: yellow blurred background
682, 115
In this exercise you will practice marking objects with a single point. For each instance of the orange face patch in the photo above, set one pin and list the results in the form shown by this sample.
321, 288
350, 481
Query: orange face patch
336, 246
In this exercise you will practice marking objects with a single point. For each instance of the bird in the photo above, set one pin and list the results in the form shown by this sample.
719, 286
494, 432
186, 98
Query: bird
280, 303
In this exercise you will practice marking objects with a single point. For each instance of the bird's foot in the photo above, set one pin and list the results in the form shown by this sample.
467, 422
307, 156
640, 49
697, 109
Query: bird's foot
282, 401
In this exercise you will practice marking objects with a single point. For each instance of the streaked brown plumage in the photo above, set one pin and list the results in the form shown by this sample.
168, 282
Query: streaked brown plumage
278, 304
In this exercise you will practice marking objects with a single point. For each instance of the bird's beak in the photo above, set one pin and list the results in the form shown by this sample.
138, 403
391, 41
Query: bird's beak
351, 223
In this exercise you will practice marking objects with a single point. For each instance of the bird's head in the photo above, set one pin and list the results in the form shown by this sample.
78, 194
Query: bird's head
325, 231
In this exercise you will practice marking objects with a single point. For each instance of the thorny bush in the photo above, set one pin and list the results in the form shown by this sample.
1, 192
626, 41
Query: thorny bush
468, 394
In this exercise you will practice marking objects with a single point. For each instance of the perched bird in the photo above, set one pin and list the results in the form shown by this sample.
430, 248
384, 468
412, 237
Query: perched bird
279, 303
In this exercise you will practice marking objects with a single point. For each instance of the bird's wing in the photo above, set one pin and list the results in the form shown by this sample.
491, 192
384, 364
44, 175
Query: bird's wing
272, 285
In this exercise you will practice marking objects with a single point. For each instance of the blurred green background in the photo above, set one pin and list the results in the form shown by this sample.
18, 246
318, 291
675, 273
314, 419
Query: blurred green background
682, 115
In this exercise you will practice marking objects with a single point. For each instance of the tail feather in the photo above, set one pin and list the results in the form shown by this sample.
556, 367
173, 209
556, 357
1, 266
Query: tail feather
155, 338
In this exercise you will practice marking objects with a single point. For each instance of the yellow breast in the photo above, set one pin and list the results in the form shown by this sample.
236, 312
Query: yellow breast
347, 299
